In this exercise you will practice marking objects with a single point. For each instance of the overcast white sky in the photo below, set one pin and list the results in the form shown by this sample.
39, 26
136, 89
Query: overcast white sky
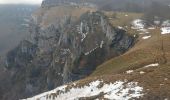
20, 1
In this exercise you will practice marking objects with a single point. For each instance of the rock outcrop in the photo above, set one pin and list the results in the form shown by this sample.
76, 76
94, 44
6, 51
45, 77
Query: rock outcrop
64, 51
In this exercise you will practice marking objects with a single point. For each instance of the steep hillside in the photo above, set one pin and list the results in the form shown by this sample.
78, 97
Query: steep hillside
67, 43
88, 53
141, 73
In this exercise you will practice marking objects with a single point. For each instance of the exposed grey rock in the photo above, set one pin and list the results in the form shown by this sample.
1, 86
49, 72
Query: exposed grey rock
62, 53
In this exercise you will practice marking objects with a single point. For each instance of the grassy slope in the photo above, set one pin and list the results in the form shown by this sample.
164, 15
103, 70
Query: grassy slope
143, 53
122, 18
155, 80
59, 12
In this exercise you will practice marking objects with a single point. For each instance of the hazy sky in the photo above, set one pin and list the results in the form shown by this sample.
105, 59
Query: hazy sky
20, 1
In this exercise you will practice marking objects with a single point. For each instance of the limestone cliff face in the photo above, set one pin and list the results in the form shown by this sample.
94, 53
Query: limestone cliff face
65, 50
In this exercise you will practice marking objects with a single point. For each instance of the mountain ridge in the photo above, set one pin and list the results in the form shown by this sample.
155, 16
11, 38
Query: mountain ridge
63, 50
88, 49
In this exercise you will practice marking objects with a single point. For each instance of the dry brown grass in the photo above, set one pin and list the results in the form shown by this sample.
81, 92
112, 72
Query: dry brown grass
155, 80
60, 12
144, 52
122, 18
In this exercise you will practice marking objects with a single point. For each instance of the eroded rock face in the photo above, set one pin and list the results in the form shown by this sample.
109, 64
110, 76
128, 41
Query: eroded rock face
65, 51
21, 55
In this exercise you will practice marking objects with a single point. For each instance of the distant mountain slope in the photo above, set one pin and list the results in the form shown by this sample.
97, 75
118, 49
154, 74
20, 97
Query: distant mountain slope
13, 22
119, 5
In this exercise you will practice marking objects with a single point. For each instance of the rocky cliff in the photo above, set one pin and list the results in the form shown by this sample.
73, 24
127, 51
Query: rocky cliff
62, 48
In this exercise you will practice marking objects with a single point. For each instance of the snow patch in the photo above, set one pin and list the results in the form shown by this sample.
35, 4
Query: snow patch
151, 28
138, 24
147, 32
80, 29
120, 27
129, 71
141, 72
166, 23
84, 35
87, 53
143, 31
157, 22
161, 84
60, 74
101, 44
165, 30
151, 65
119, 90
134, 35
165, 79
146, 37
126, 15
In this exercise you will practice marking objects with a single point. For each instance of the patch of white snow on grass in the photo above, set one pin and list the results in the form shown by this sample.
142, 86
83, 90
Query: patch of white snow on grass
119, 90
44, 95
151, 65
146, 37
138, 24
151, 28
166, 23
161, 84
141, 72
165, 79
165, 30
129, 71
143, 31
126, 15
120, 27
147, 32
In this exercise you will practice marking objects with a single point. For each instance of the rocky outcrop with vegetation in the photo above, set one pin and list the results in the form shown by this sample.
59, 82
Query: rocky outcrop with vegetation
63, 51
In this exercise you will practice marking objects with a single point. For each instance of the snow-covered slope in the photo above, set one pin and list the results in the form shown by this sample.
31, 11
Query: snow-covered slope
138, 24
165, 27
119, 90
165, 30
